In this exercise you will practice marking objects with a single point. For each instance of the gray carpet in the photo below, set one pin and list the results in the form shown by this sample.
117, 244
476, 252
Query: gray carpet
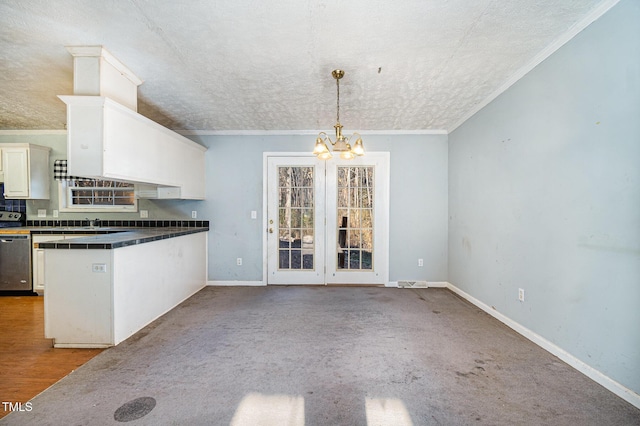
326, 356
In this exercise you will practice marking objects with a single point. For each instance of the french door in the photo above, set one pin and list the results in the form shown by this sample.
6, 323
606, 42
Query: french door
327, 221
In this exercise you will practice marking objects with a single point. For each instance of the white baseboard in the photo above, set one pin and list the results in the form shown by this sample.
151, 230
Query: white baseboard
595, 375
430, 284
235, 283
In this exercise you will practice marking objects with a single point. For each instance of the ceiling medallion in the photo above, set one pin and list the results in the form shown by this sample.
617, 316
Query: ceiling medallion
341, 144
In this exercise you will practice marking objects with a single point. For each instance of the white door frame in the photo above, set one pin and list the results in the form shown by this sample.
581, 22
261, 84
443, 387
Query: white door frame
383, 222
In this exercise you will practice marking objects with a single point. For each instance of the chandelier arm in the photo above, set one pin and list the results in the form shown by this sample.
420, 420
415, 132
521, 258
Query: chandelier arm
325, 138
352, 136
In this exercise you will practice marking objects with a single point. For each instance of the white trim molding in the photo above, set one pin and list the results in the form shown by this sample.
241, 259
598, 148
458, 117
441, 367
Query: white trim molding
623, 392
32, 132
303, 132
596, 13
218, 283
429, 284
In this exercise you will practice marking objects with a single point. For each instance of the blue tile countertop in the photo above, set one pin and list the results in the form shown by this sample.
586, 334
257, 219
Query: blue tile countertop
107, 238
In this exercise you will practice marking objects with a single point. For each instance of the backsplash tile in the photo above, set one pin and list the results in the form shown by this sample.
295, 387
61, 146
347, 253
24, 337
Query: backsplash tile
12, 205
125, 223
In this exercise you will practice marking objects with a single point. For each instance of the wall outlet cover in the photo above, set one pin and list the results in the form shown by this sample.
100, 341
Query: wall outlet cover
99, 267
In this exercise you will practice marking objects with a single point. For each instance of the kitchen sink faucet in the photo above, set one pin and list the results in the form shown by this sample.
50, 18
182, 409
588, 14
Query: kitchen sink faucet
93, 223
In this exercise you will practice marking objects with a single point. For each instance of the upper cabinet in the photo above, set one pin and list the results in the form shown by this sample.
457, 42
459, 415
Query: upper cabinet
108, 139
26, 171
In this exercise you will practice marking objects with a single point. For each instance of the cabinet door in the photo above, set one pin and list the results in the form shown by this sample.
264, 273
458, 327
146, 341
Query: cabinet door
16, 172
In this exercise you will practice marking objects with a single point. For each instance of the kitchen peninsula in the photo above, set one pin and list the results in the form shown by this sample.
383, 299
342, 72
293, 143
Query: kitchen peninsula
103, 288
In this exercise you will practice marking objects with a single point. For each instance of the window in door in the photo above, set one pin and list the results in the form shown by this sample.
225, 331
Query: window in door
296, 217
355, 217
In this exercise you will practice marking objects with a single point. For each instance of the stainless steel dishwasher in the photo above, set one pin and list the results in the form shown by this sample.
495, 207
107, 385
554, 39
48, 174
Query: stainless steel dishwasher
15, 254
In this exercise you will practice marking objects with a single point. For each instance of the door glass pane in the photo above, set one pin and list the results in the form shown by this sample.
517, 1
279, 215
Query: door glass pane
355, 217
296, 217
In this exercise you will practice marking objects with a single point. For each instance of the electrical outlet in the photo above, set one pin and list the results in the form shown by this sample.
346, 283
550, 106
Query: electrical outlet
55, 213
194, 214
521, 295
99, 267
144, 214
420, 262
42, 212
239, 261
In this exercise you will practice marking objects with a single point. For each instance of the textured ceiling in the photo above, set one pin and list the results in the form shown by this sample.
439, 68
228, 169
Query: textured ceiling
266, 65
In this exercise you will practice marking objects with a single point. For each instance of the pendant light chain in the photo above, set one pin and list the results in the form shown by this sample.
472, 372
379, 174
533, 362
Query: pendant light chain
338, 104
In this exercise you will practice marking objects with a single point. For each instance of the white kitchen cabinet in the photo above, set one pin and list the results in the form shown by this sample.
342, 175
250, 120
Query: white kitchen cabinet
37, 259
107, 140
26, 171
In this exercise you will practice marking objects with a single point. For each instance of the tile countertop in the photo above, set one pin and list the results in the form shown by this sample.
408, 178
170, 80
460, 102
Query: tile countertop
107, 238
14, 231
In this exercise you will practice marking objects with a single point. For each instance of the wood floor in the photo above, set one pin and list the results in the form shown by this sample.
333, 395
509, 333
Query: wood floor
28, 362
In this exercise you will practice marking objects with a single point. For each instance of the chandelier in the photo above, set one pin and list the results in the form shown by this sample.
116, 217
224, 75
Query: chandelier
341, 144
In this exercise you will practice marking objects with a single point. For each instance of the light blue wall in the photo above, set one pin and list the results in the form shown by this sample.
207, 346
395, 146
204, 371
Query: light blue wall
418, 202
544, 195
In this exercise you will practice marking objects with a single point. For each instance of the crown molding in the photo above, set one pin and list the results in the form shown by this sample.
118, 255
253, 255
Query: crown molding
302, 132
31, 132
596, 13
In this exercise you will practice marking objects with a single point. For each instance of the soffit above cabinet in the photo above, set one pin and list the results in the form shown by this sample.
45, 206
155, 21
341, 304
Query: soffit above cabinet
108, 139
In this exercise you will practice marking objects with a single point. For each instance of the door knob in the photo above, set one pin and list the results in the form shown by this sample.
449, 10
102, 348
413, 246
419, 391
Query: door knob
271, 230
